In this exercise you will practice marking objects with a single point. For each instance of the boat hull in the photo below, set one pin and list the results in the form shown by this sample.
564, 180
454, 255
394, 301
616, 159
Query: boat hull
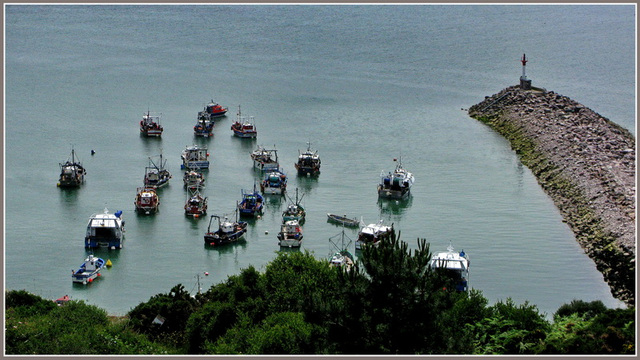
141, 209
307, 171
85, 277
250, 212
245, 135
343, 220
196, 164
265, 166
151, 133
219, 239
93, 242
393, 194
290, 243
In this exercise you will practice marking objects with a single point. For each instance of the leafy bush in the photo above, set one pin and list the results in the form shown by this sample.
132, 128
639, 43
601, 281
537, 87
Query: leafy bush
580, 307
509, 329
174, 307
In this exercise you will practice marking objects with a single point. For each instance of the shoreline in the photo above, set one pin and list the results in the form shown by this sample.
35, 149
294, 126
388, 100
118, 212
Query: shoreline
585, 163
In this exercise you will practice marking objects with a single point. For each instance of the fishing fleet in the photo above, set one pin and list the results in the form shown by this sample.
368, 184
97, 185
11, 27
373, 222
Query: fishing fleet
106, 230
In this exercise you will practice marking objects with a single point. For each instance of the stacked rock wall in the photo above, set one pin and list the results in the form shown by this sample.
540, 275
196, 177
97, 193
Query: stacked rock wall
585, 162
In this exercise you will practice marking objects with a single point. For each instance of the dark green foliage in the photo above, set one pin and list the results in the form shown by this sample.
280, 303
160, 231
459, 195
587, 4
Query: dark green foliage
611, 331
389, 303
509, 329
209, 323
455, 335
175, 307
580, 307
74, 328
27, 304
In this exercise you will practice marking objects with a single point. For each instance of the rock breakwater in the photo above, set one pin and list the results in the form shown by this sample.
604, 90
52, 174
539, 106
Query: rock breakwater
586, 164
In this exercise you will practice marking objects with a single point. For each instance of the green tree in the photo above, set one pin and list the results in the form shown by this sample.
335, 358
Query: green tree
509, 329
174, 308
390, 301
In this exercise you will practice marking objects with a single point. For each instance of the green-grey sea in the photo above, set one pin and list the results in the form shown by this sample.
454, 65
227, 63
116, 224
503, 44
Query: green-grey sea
363, 83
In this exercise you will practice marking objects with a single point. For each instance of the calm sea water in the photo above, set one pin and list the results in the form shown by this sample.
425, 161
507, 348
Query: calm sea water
364, 84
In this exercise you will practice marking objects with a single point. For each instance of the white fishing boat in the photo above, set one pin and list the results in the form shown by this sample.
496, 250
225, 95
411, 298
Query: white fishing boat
274, 183
156, 176
105, 230
71, 172
228, 231
196, 204
244, 128
193, 180
294, 210
290, 234
195, 157
372, 234
342, 257
265, 160
396, 184
150, 125
308, 162
146, 201
88, 270
456, 265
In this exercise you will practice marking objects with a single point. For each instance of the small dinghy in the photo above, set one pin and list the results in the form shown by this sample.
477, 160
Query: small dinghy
88, 271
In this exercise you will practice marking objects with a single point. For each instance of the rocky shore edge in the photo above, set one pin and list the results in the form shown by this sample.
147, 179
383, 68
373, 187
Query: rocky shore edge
585, 163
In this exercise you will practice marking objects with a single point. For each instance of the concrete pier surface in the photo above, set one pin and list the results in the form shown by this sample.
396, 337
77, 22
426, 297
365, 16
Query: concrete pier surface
585, 162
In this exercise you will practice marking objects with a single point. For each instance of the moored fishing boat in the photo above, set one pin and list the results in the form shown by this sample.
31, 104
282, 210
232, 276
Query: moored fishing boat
290, 234
294, 210
196, 204
308, 162
396, 184
343, 220
212, 110
150, 125
342, 257
372, 234
203, 128
274, 183
228, 231
244, 128
193, 179
264, 159
195, 157
146, 201
252, 203
156, 176
88, 270
105, 230
455, 264
71, 172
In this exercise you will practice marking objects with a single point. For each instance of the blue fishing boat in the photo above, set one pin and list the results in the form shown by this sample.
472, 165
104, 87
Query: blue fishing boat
89, 270
251, 204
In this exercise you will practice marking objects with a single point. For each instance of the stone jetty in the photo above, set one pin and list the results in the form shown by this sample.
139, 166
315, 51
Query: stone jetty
585, 163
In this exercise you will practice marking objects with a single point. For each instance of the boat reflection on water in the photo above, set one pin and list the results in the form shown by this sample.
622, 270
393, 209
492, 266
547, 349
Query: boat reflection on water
307, 183
395, 206
289, 249
226, 249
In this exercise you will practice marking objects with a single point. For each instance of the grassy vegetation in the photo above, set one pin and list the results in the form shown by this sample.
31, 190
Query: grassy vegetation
390, 303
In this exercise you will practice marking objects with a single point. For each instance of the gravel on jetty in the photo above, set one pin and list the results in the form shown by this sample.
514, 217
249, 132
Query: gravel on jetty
586, 164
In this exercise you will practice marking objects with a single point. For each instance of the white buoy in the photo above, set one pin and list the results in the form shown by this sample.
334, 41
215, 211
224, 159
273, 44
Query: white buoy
266, 232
